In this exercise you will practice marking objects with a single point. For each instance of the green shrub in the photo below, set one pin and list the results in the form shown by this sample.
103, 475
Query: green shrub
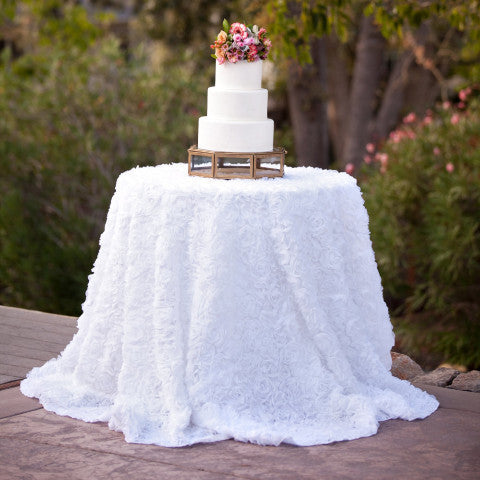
422, 192
71, 121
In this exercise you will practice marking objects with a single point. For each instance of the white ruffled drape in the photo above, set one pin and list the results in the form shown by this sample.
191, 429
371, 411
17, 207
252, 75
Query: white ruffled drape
232, 309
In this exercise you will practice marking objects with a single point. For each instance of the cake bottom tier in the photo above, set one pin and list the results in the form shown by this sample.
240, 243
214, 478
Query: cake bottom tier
234, 136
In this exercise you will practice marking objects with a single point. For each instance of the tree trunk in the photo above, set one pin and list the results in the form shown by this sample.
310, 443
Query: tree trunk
427, 73
366, 75
337, 89
393, 98
410, 87
306, 86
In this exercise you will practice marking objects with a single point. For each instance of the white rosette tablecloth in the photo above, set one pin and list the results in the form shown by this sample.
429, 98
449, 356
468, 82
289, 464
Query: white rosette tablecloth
232, 309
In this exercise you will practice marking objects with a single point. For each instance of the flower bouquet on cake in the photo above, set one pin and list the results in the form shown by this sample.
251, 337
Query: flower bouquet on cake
235, 138
241, 42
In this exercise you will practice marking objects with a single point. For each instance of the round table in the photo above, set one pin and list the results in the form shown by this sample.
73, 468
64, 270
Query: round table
246, 309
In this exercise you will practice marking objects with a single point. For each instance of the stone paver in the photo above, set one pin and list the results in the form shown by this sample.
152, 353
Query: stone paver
41, 445
36, 444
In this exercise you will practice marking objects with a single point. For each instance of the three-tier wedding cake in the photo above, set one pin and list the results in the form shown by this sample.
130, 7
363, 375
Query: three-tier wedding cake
236, 122
236, 118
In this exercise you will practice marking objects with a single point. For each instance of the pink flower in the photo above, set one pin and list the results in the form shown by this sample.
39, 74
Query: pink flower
410, 118
237, 38
367, 159
382, 158
349, 168
252, 53
463, 94
410, 134
446, 105
436, 151
370, 147
427, 120
261, 32
232, 57
240, 29
461, 104
395, 136
454, 118
449, 167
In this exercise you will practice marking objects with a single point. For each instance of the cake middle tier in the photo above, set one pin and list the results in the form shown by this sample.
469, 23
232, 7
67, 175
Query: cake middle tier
237, 104
223, 135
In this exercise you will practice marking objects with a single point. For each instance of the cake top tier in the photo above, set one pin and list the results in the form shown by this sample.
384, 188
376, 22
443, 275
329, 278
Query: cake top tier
239, 76
238, 42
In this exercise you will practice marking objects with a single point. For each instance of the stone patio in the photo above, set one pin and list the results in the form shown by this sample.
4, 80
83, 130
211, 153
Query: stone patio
36, 444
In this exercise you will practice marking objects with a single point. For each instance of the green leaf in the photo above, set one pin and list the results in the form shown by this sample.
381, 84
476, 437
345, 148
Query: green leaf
226, 25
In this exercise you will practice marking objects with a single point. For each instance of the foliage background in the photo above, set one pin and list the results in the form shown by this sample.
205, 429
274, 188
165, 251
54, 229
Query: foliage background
423, 197
74, 116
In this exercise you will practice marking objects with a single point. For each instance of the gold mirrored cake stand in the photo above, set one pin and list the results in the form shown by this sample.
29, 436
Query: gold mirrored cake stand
226, 165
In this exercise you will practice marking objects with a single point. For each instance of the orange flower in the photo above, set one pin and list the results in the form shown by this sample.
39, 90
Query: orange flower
221, 38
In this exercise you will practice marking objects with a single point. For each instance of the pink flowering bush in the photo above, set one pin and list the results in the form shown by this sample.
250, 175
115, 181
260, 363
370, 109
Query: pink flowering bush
422, 191
241, 42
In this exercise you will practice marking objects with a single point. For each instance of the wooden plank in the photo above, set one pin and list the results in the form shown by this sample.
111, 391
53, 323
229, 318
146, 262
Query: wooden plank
53, 318
16, 361
38, 325
12, 384
59, 338
33, 343
17, 311
29, 339
14, 371
12, 402
43, 318
7, 378
26, 352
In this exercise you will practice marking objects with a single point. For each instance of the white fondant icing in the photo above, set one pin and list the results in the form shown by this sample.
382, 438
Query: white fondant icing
237, 104
242, 75
235, 136
236, 118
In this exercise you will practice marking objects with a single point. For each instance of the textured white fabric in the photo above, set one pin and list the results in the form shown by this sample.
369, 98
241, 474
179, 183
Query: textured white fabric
249, 309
